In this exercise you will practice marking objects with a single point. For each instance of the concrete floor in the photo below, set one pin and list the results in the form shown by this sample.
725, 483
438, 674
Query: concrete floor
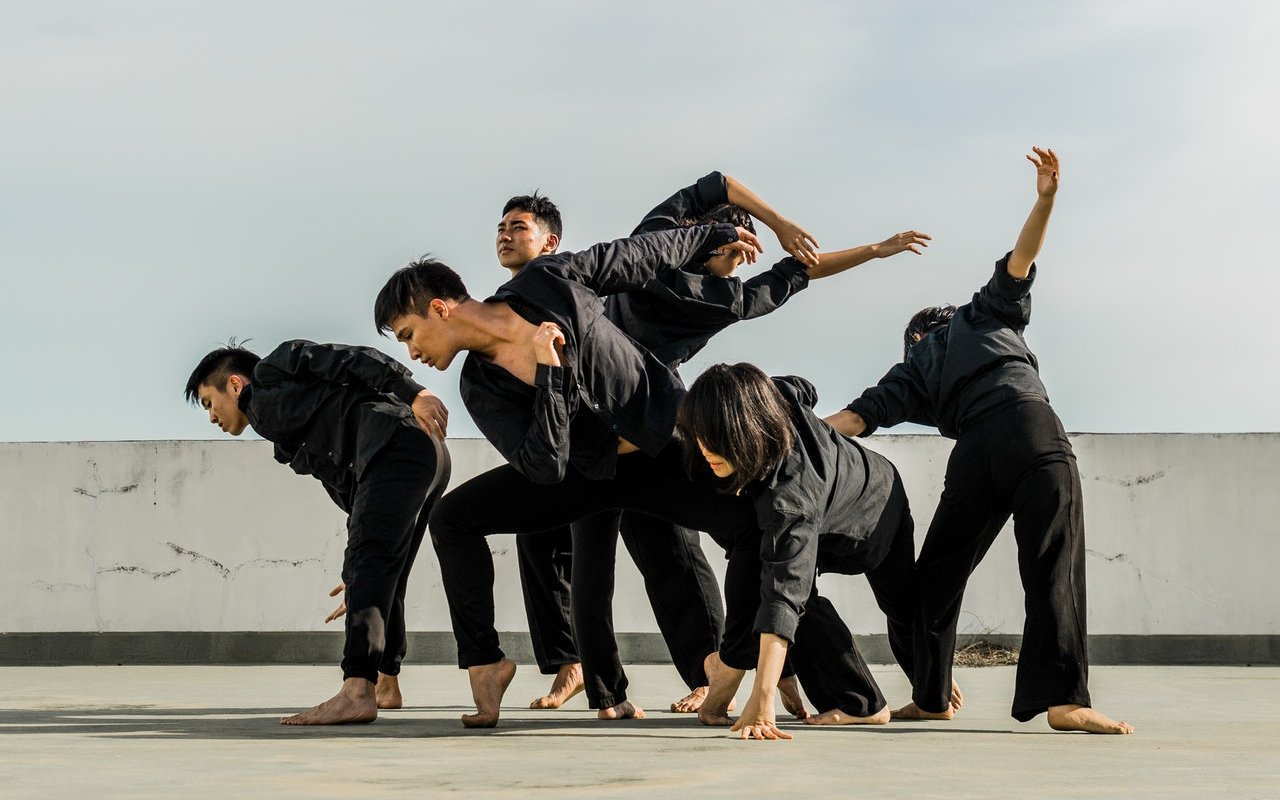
195, 732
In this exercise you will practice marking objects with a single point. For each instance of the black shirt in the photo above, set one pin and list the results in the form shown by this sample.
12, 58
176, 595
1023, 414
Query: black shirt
960, 371
329, 408
817, 511
677, 312
628, 392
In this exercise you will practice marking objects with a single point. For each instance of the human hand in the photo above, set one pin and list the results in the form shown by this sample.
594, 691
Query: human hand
758, 720
430, 413
545, 340
796, 241
341, 610
1047, 171
748, 244
907, 240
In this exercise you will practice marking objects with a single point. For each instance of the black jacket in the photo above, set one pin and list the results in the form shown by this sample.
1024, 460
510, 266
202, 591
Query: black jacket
817, 512
624, 390
963, 370
329, 408
677, 311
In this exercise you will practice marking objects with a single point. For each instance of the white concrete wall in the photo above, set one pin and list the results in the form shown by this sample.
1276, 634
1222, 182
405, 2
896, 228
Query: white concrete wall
216, 536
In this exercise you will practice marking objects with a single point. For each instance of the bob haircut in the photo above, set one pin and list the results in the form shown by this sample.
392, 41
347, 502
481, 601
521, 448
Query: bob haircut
736, 412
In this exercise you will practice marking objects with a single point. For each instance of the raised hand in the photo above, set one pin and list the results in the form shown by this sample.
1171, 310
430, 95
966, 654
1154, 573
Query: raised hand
431, 414
1047, 170
545, 340
907, 240
796, 241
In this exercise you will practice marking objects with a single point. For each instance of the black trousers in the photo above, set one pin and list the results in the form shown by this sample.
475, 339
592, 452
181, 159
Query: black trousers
1015, 461
568, 626
384, 530
681, 587
546, 567
656, 486
825, 659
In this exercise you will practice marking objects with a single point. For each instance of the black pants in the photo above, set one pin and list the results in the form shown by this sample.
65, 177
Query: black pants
1015, 461
546, 567
570, 626
384, 530
824, 656
460, 521
681, 587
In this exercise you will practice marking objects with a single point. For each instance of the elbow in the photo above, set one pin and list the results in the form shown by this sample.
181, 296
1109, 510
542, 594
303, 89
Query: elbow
545, 472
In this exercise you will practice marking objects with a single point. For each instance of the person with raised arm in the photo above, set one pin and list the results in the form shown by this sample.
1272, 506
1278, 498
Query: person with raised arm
969, 372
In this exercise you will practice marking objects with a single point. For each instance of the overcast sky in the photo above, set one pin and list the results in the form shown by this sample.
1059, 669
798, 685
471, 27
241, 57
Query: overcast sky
177, 173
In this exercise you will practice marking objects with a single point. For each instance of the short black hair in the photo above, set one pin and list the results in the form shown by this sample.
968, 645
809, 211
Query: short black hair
737, 412
543, 210
925, 320
214, 369
411, 289
734, 215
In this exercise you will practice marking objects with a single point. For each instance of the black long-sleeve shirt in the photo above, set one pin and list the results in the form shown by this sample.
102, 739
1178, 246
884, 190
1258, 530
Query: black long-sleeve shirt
677, 312
960, 371
329, 408
626, 390
817, 512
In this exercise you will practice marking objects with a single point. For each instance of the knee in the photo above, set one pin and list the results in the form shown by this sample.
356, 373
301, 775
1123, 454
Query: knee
446, 518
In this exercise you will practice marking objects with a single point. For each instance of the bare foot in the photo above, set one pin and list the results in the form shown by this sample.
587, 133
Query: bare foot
789, 691
624, 710
837, 717
957, 697
488, 683
353, 703
1082, 718
723, 685
568, 683
691, 702
387, 692
911, 711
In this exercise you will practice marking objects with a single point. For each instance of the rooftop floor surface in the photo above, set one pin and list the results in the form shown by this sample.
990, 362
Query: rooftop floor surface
196, 732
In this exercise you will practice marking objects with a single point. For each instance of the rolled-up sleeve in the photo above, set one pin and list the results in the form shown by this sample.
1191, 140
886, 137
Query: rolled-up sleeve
1005, 297
789, 566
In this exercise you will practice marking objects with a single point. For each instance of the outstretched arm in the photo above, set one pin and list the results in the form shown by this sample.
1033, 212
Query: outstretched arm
794, 239
337, 363
849, 423
759, 719
627, 264
841, 260
1031, 239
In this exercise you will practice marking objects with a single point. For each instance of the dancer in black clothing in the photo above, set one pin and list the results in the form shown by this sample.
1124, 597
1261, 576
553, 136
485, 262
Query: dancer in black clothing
824, 504
968, 371
567, 398
674, 315
355, 419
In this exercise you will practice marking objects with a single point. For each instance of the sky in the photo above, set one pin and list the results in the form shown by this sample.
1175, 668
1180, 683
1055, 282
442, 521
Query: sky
177, 173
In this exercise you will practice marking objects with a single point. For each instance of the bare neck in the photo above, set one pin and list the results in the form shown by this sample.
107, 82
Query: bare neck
489, 328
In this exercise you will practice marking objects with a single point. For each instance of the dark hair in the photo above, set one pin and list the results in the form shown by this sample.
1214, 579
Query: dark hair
737, 413
411, 289
543, 210
925, 320
736, 216
215, 368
